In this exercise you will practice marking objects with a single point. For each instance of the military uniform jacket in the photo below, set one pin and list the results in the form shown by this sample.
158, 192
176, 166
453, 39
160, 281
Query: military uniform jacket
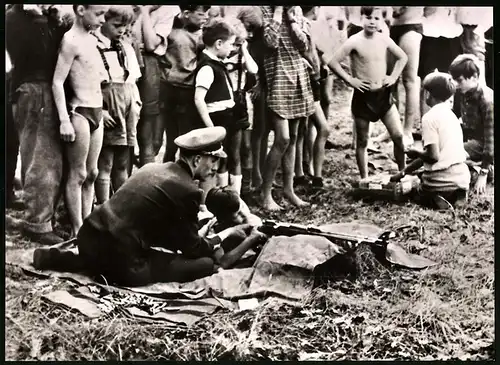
156, 207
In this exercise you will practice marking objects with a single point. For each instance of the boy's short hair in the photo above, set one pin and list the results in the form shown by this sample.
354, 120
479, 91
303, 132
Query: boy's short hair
252, 15
75, 6
466, 65
368, 10
307, 9
216, 29
124, 13
439, 85
192, 8
222, 201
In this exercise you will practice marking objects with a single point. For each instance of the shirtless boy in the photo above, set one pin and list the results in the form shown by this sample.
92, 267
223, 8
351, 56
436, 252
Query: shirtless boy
81, 128
372, 99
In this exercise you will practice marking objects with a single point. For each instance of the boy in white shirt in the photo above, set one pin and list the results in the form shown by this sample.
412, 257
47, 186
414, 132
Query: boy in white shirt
122, 103
446, 177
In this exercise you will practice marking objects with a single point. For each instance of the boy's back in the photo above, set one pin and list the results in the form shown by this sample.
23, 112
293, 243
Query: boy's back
440, 126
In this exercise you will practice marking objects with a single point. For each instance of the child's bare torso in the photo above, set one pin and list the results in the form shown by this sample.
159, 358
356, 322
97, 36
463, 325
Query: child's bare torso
87, 71
369, 58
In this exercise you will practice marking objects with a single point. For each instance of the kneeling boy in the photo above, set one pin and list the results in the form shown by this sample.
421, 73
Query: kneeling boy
446, 177
474, 105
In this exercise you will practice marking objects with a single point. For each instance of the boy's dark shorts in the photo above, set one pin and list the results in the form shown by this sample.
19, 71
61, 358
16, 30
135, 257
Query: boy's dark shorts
179, 109
437, 53
372, 105
397, 31
316, 88
149, 85
225, 119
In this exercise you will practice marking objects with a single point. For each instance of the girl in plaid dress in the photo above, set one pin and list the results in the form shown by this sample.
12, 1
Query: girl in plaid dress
290, 96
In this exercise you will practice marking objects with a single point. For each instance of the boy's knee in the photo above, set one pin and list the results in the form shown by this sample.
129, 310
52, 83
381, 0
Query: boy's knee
410, 79
78, 176
92, 175
283, 142
361, 140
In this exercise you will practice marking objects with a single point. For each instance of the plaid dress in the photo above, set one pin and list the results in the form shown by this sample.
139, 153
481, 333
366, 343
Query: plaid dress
289, 88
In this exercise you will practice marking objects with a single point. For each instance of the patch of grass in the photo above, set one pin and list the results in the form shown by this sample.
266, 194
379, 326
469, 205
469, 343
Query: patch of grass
443, 312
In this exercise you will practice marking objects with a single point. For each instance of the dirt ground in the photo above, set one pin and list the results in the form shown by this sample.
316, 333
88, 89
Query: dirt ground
444, 312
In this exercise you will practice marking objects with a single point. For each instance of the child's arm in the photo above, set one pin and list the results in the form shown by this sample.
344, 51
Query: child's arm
299, 32
486, 113
67, 55
250, 64
334, 64
204, 80
413, 166
272, 24
201, 105
401, 59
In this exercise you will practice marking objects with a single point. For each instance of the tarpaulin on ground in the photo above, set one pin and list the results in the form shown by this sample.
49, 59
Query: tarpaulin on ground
282, 271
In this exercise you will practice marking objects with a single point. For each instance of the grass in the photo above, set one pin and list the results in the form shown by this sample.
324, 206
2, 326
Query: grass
443, 312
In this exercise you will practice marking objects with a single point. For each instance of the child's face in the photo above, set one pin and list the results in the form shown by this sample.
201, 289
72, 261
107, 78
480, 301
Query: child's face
92, 16
114, 29
224, 48
464, 85
196, 18
372, 23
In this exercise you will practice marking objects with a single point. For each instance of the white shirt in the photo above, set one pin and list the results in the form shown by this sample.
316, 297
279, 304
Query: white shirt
442, 22
205, 79
115, 70
441, 127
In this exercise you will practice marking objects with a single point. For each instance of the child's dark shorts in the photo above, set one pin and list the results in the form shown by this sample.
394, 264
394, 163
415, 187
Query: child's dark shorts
372, 105
397, 31
225, 119
316, 88
149, 85
353, 29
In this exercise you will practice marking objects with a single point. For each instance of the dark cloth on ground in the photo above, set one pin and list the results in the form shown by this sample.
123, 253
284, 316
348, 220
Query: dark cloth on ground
372, 105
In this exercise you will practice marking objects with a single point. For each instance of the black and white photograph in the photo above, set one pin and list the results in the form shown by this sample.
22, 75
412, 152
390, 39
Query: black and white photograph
249, 182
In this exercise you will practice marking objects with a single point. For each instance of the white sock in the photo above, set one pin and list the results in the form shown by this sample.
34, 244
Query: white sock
223, 179
235, 182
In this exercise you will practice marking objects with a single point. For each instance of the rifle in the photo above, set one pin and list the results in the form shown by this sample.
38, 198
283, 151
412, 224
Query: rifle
348, 242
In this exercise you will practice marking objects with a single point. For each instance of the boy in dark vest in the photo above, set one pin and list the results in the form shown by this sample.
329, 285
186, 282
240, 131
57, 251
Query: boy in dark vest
214, 97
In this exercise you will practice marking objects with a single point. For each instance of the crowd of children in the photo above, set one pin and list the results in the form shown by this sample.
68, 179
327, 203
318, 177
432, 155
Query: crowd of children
90, 86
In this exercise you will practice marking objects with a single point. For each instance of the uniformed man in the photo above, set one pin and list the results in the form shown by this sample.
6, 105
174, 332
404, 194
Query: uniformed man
133, 238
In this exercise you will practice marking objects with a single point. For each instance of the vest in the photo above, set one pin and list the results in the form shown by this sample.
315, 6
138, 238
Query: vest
218, 91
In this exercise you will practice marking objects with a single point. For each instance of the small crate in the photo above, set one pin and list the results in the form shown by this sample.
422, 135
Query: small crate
380, 187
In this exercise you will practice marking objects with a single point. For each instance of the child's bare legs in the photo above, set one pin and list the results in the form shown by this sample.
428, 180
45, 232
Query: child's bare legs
119, 172
246, 160
362, 131
410, 43
281, 142
234, 159
299, 147
105, 165
393, 124
92, 171
309, 146
288, 162
321, 124
327, 95
82, 166
258, 140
